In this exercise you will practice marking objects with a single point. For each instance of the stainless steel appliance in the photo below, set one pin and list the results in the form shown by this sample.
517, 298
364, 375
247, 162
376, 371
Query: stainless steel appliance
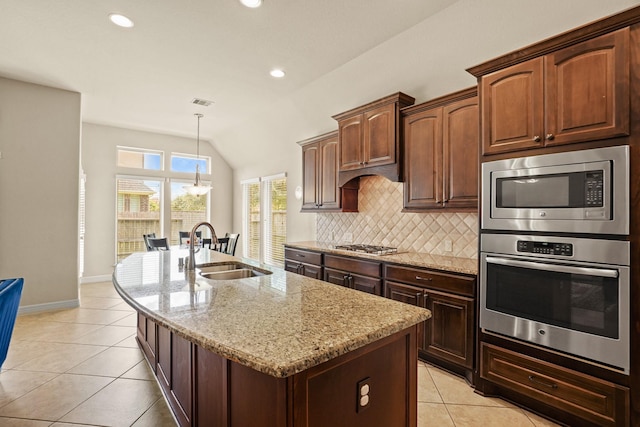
585, 191
568, 294
368, 249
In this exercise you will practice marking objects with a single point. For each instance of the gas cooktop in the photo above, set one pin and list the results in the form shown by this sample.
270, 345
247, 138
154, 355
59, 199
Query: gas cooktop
369, 249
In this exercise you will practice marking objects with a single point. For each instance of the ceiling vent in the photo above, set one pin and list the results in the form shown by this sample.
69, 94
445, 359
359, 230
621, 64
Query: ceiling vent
200, 101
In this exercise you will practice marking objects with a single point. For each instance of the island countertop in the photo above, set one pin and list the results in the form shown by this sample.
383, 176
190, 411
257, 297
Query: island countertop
279, 324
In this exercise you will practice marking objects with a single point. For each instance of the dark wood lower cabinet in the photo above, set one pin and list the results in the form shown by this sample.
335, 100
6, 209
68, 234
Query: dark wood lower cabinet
450, 335
205, 389
578, 399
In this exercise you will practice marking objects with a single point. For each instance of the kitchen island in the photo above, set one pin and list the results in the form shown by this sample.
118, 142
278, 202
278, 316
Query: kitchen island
277, 349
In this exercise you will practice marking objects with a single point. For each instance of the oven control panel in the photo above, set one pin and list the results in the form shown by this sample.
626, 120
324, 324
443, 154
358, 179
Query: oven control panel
547, 248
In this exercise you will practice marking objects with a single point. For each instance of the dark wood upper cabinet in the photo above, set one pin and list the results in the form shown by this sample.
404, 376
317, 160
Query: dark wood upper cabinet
320, 189
441, 153
369, 139
587, 90
576, 94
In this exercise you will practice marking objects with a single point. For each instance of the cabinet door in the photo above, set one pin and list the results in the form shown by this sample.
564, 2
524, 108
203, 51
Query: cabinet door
310, 169
449, 335
329, 192
379, 136
350, 134
422, 159
312, 271
512, 108
365, 284
460, 140
405, 293
337, 277
292, 266
587, 90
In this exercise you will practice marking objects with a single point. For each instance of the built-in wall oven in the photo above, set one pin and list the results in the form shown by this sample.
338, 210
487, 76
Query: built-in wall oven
554, 260
568, 294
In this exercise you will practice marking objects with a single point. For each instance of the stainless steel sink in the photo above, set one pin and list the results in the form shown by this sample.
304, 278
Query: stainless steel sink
231, 270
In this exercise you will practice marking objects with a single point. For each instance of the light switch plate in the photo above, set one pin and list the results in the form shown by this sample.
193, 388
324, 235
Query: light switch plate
348, 237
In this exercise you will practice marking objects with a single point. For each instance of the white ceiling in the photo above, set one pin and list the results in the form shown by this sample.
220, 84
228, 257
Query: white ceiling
146, 77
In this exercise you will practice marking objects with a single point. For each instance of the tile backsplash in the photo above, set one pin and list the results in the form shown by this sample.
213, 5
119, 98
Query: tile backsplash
380, 221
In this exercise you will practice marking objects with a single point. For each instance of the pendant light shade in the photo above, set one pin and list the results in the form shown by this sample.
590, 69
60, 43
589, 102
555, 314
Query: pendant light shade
197, 189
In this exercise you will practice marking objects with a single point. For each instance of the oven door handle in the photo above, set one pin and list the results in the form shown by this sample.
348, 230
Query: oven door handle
600, 272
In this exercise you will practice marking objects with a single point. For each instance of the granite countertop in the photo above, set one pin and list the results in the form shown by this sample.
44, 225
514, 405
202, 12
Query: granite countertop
280, 324
412, 259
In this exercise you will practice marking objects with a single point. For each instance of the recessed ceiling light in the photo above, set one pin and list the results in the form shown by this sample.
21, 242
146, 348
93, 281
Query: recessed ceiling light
251, 3
277, 73
121, 20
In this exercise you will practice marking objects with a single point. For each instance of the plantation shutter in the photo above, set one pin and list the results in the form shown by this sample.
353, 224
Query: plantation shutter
275, 192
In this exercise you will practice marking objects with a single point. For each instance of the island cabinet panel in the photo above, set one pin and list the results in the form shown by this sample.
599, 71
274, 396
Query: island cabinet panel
450, 333
175, 373
576, 94
353, 273
306, 263
588, 400
210, 389
441, 153
146, 335
376, 386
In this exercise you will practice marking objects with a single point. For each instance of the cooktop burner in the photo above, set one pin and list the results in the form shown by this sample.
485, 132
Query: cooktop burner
369, 249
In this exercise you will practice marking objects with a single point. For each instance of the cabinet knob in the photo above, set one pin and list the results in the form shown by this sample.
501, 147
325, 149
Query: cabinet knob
537, 138
550, 137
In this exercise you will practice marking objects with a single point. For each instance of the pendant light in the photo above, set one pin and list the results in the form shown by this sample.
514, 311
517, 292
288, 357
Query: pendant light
197, 189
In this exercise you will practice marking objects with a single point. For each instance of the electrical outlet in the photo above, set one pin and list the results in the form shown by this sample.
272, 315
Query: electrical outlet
348, 237
363, 391
448, 246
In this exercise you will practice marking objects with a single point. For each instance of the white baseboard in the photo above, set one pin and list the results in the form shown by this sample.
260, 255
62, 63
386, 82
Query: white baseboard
96, 279
58, 305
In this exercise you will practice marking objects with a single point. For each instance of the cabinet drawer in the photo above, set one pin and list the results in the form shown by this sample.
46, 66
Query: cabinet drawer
307, 257
598, 401
433, 280
352, 265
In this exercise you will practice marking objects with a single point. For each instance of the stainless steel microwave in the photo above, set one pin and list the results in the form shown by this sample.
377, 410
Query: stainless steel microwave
585, 191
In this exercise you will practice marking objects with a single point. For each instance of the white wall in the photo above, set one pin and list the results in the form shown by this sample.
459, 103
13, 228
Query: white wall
39, 169
426, 61
99, 163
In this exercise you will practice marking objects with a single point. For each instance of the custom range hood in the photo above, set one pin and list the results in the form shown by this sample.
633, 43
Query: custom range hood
370, 139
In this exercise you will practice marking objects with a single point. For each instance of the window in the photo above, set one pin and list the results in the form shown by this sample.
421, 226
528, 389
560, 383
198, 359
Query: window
186, 163
140, 159
265, 218
138, 213
156, 201
186, 210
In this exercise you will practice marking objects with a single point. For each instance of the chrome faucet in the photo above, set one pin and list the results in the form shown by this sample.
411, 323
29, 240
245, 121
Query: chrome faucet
191, 262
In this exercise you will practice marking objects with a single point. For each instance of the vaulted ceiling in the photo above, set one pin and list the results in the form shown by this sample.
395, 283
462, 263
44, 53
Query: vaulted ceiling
145, 77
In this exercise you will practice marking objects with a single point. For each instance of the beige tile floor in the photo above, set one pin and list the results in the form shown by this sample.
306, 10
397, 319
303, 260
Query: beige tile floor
82, 367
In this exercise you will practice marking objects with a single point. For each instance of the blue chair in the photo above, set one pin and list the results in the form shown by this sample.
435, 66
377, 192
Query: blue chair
10, 292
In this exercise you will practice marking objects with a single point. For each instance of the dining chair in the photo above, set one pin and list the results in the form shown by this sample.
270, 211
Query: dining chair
185, 235
146, 238
159, 243
231, 244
